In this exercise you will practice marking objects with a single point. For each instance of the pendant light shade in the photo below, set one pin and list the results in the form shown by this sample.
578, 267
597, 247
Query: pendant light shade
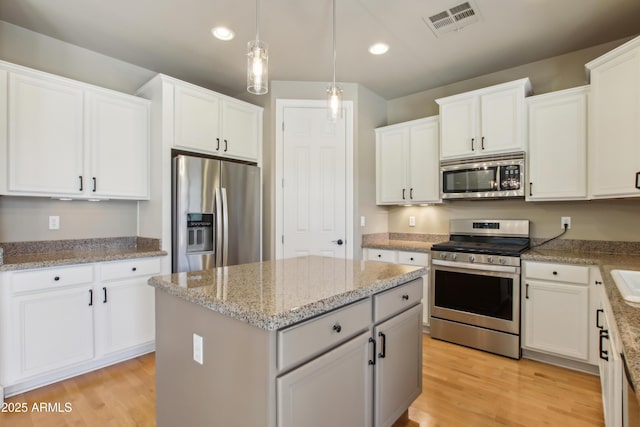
257, 61
334, 92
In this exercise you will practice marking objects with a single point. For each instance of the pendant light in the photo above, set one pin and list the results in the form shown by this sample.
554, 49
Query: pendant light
257, 61
334, 92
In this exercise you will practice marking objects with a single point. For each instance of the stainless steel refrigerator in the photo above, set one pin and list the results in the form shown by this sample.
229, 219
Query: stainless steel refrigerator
216, 213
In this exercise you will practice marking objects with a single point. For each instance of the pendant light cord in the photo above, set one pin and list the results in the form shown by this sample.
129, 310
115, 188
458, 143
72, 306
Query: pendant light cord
257, 20
334, 43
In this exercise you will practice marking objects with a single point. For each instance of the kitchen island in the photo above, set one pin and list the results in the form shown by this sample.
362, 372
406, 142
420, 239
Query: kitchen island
310, 341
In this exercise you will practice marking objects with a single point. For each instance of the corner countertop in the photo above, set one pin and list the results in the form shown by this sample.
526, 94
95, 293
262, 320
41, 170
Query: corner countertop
274, 294
44, 254
412, 242
627, 317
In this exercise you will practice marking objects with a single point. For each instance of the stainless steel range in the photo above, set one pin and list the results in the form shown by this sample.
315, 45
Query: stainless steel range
475, 292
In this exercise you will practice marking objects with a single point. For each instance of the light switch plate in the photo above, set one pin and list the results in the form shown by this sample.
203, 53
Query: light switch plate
54, 222
412, 221
197, 349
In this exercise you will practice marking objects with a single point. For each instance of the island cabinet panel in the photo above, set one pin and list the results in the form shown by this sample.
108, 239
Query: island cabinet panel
331, 390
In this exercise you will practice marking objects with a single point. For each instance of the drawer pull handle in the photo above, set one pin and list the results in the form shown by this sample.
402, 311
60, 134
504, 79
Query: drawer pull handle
90, 297
383, 353
405, 297
598, 325
604, 354
104, 289
56, 278
598, 282
555, 273
337, 327
134, 269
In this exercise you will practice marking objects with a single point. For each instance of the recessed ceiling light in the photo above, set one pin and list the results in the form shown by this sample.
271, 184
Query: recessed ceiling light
223, 33
378, 48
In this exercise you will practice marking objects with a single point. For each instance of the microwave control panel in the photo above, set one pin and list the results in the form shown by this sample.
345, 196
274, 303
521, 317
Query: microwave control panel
510, 177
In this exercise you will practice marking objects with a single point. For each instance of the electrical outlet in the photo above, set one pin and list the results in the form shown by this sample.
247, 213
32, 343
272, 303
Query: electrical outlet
412, 221
362, 221
54, 222
197, 348
565, 220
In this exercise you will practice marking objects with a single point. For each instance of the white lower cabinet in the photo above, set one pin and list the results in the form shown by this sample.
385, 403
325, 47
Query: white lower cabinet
610, 365
409, 258
370, 379
556, 310
59, 322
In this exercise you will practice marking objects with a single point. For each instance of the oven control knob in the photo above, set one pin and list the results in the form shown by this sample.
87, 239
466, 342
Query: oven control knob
454, 256
490, 260
503, 261
471, 258
443, 255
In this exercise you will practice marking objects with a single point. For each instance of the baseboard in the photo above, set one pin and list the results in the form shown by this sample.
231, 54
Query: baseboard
38, 381
561, 361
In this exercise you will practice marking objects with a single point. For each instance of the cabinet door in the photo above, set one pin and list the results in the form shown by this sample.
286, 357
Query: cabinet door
45, 136
557, 318
458, 124
614, 151
55, 329
502, 116
332, 390
558, 146
423, 163
241, 128
118, 134
390, 172
126, 315
398, 365
197, 120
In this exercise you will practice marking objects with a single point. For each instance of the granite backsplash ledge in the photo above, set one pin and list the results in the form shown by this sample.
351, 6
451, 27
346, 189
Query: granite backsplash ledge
381, 238
589, 246
45, 246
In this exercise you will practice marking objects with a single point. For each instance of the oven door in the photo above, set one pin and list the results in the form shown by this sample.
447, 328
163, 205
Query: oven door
481, 295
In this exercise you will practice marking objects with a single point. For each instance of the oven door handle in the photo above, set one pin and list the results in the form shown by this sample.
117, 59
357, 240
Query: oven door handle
479, 267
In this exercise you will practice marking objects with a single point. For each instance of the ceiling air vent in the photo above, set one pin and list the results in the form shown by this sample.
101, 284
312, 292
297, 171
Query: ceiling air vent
453, 19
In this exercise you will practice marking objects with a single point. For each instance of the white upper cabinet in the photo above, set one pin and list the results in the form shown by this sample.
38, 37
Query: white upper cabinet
118, 136
70, 139
558, 145
211, 123
45, 140
485, 121
614, 112
407, 163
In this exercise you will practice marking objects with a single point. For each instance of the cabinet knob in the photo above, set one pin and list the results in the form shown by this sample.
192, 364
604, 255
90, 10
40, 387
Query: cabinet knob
555, 273
379, 255
56, 278
598, 282
411, 258
134, 269
337, 327
405, 297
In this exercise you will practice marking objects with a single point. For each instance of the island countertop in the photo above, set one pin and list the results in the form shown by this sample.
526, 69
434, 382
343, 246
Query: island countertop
274, 294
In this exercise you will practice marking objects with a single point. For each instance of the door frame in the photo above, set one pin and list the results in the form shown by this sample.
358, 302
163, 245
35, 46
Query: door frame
281, 104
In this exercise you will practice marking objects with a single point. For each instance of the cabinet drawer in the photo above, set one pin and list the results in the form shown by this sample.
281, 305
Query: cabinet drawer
413, 258
316, 336
397, 299
557, 272
47, 278
381, 255
130, 268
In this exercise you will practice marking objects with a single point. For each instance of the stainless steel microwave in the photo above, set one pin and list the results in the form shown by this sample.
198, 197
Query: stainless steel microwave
487, 177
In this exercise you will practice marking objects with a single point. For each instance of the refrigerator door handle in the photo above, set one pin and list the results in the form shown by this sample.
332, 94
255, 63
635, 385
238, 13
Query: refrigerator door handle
225, 227
218, 230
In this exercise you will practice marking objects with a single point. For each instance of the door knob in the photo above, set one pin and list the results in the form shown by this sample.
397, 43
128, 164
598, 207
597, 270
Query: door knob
339, 242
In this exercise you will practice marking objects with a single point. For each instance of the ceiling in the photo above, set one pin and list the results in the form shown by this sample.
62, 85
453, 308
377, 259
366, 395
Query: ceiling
173, 36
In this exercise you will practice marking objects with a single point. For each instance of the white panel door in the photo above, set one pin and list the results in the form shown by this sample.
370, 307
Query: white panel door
314, 187
458, 128
424, 163
126, 314
45, 136
501, 122
118, 131
240, 127
197, 120
55, 329
390, 170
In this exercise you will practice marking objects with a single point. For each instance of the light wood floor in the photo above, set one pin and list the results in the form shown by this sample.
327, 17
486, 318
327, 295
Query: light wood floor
461, 387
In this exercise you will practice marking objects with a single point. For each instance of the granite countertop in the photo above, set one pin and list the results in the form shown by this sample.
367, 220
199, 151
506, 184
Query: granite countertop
413, 242
274, 294
43, 254
627, 317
